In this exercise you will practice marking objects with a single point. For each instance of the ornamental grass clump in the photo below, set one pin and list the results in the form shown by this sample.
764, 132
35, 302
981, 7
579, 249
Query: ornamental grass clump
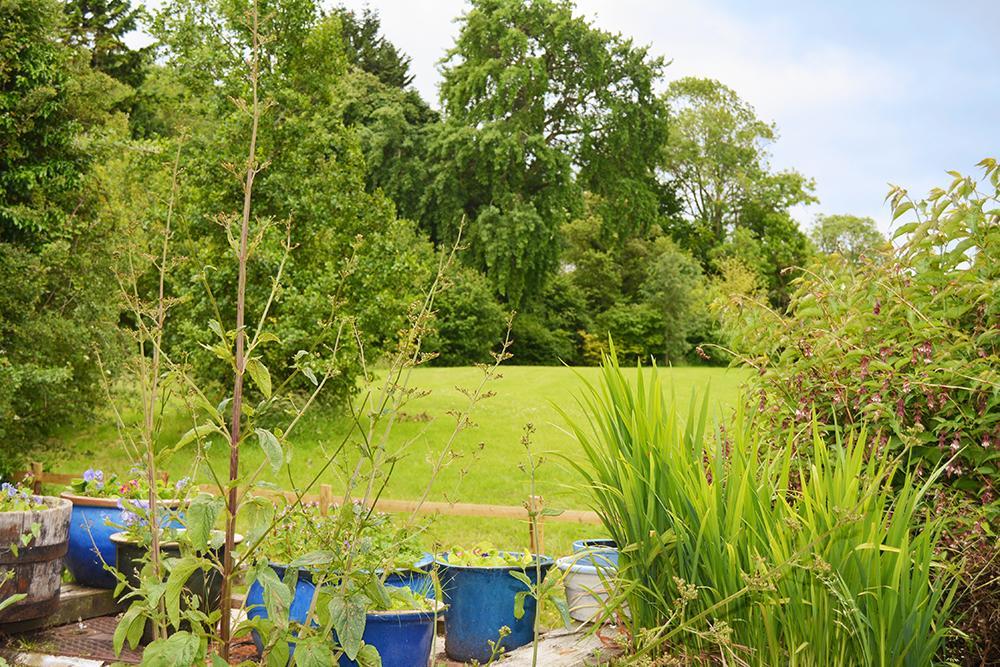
732, 549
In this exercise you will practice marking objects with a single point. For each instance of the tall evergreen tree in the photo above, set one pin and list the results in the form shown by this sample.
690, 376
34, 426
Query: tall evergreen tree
100, 26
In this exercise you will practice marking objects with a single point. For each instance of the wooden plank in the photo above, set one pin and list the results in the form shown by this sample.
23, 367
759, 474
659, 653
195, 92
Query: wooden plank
558, 649
76, 603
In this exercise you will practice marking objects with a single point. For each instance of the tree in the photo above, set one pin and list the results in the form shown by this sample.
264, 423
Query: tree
100, 26
355, 263
55, 315
717, 158
539, 105
849, 236
368, 50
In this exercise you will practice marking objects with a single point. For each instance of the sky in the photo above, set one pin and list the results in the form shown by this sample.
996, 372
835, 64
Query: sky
864, 92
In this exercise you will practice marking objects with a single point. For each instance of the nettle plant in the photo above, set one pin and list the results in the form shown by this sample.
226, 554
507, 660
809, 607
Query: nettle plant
906, 340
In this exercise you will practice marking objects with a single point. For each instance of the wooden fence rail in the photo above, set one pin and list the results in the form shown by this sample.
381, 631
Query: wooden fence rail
324, 499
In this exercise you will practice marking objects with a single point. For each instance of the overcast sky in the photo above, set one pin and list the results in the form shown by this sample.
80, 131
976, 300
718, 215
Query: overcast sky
864, 92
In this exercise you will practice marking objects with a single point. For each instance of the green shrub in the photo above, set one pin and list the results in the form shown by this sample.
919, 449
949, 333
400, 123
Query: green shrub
469, 321
730, 550
907, 341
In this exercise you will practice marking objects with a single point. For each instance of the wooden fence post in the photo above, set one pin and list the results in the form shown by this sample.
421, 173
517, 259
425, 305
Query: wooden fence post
36, 478
536, 531
325, 495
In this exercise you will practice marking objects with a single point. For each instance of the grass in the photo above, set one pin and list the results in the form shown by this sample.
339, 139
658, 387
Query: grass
484, 474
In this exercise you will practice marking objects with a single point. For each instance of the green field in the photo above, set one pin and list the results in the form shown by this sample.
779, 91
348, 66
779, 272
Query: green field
489, 474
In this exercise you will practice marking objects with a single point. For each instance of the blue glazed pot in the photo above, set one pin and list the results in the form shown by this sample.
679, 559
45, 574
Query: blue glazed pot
604, 547
401, 638
90, 535
480, 601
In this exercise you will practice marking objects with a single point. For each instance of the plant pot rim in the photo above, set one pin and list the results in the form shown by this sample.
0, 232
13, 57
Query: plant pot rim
439, 610
51, 504
424, 561
94, 501
572, 565
121, 538
539, 560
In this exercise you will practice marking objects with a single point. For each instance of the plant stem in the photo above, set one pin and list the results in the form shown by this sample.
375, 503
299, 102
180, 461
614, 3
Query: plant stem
240, 361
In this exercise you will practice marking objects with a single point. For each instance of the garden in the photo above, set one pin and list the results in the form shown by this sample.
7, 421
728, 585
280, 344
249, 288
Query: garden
296, 369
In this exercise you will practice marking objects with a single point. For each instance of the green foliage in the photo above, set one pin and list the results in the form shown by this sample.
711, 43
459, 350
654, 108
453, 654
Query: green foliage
717, 159
469, 322
559, 107
730, 551
100, 27
380, 544
55, 261
368, 50
904, 341
849, 236
354, 265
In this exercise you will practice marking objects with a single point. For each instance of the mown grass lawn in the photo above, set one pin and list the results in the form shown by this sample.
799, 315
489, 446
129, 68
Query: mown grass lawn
486, 472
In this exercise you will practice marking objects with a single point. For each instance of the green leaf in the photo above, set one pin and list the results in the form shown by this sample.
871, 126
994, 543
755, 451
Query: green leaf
13, 599
257, 514
180, 571
181, 649
314, 652
519, 599
197, 433
129, 628
200, 518
368, 657
261, 377
314, 558
272, 448
347, 612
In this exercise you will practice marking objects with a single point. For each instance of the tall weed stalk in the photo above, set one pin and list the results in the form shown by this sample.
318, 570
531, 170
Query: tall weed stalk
732, 551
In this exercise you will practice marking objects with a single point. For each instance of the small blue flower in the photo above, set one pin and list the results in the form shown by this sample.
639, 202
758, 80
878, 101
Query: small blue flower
182, 483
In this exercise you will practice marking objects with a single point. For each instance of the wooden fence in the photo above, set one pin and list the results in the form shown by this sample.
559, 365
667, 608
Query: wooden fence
324, 499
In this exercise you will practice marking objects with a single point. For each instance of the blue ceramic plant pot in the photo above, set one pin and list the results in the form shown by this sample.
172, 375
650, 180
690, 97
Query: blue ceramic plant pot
90, 535
402, 638
480, 601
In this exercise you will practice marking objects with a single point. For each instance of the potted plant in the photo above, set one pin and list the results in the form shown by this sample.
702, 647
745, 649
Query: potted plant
97, 503
487, 590
33, 537
380, 573
189, 557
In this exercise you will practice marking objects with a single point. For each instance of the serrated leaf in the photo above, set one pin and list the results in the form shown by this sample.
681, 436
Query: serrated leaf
347, 612
261, 376
200, 518
272, 448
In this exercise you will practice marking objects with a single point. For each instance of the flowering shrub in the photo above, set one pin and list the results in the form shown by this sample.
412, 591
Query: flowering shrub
17, 499
907, 340
96, 484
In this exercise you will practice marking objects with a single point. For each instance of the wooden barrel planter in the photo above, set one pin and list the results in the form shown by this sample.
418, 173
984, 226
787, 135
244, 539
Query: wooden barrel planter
36, 569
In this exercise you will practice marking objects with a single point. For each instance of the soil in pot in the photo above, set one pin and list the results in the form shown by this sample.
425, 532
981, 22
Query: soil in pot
36, 568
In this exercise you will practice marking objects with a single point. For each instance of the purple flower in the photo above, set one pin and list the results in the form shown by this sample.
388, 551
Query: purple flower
182, 483
9, 489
